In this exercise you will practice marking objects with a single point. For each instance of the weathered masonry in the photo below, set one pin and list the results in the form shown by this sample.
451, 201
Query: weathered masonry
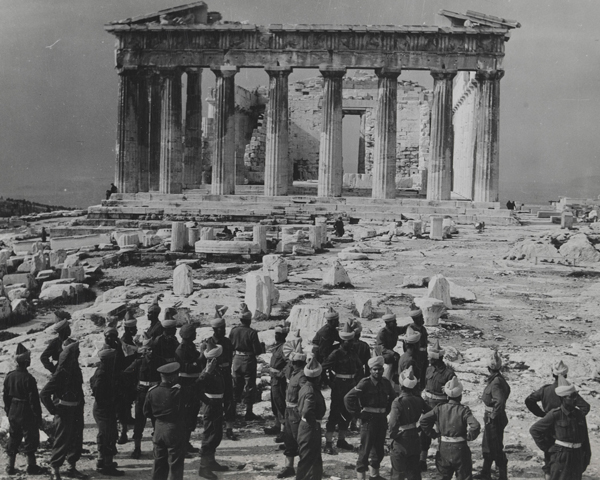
154, 51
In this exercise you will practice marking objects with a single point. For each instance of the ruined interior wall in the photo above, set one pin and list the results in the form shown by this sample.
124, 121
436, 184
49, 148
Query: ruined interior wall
465, 125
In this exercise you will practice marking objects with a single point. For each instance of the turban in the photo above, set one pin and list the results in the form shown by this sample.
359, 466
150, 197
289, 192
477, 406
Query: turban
213, 350
495, 362
187, 331
389, 317
128, 323
168, 323
347, 333
407, 378
217, 322
415, 311
376, 361
412, 336
435, 351
560, 369
169, 368
332, 314
356, 326
245, 314
60, 325
453, 388
313, 369
22, 354
564, 388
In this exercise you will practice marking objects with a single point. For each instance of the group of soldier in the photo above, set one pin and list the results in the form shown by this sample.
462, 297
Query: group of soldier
414, 397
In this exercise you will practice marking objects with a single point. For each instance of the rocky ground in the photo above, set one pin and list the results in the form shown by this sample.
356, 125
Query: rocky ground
534, 313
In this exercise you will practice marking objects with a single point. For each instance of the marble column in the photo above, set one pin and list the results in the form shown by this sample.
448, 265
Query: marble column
384, 153
330, 149
223, 167
362, 130
192, 159
439, 171
154, 136
131, 148
143, 126
171, 148
487, 156
276, 152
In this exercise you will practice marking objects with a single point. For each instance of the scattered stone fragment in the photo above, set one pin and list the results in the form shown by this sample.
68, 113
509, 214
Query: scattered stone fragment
183, 280
25, 278
299, 250
440, 288
68, 293
128, 240
259, 293
436, 228
20, 307
179, 236
460, 294
343, 255
363, 305
5, 308
308, 319
579, 248
432, 309
413, 281
336, 276
276, 267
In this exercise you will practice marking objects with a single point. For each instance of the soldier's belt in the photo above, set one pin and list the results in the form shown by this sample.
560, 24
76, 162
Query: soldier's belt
410, 426
244, 354
567, 444
189, 375
373, 410
318, 422
224, 364
214, 395
291, 404
148, 384
453, 439
343, 376
489, 409
433, 396
66, 403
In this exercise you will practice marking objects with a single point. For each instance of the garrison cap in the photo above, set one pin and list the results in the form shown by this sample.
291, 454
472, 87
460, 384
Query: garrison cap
169, 368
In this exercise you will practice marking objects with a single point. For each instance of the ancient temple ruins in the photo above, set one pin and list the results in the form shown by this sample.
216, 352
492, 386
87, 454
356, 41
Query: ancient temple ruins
158, 152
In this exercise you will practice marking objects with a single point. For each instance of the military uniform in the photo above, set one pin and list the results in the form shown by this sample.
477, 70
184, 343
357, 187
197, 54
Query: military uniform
372, 400
104, 389
404, 432
165, 346
363, 351
156, 329
210, 391
388, 339
323, 342
311, 408
246, 346
292, 415
224, 363
165, 403
407, 360
50, 355
421, 356
278, 382
23, 409
563, 435
494, 397
550, 400
456, 425
189, 358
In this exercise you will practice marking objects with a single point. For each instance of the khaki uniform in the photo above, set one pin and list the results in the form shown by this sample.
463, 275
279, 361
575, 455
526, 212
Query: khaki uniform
495, 420
292, 415
311, 407
246, 345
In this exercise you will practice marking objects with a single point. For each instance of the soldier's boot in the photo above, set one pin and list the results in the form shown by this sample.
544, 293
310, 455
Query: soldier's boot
204, 470
109, 468
275, 429
374, 474
10, 468
288, 470
216, 466
191, 449
123, 437
486, 470
361, 475
342, 443
328, 448
72, 472
229, 431
250, 415
56, 473
137, 448
423, 461
32, 467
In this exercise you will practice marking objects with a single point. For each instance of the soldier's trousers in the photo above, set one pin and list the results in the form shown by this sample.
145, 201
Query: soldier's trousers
68, 435
244, 378
454, 458
566, 463
338, 415
22, 428
278, 390
106, 420
426, 439
372, 440
213, 427
405, 456
228, 397
290, 431
140, 418
310, 464
169, 452
492, 445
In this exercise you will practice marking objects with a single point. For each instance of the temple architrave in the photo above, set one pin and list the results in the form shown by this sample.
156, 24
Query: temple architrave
158, 152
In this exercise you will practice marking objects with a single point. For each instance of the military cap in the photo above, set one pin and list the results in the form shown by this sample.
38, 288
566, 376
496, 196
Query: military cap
347, 333
187, 331
564, 388
218, 322
560, 368
169, 368
107, 353
453, 388
313, 369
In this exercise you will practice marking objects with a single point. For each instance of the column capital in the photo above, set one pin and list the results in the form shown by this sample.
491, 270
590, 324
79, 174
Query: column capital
332, 71
442, 74
489, 74
193, 70
388, 72
277, 70
224, 71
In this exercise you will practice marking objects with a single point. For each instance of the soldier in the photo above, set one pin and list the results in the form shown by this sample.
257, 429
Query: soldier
278, 382
224, 360
387, 338
409, 358
130, 329
104, 390
165, 403
292, 415
371, 399
495, 420
63, 397
49, 357
165, 345
563, 436
24, 412
421, 354
550, 400
404, 431
456, 425
123, 395
210, 390
363, 351
188, 358
246, 348
156, 328
346, 370
144, 372
311, 408
323, 343
438, 374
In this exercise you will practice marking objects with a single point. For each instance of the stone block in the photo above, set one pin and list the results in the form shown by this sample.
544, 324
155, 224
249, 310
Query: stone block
432, 309
5, 308
363, 305
60, 281
16, 293
57, 257
131, 239
193, 235
20, 307
460, 294
566, 220
5, 254
259, 236
449, 227
439, 288
207, 233
436, 228
77, 273
345, 255
71, 261
259, 293
14, 262
361, 233
336, 276
308, 319
315, 236
302, 250
3, 270
183, 280
179, 236
24, 247
276, 267
67, 293
105, 310
25, 278
223, 247
78, 241
150, 239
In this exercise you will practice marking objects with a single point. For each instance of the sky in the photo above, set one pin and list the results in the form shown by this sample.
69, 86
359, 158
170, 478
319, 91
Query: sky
58, 88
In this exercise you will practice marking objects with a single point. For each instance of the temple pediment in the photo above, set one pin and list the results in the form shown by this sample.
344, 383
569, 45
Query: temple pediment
190, 14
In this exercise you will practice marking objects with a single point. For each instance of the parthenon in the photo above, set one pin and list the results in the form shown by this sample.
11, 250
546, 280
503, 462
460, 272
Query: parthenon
158, 152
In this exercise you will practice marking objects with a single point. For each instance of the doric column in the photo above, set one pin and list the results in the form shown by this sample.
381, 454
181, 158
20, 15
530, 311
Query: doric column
276, 153
155, 129
330, 150
171, 149
487, 157
192, 159
439, 171
132, 130
223, 168
384, 154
